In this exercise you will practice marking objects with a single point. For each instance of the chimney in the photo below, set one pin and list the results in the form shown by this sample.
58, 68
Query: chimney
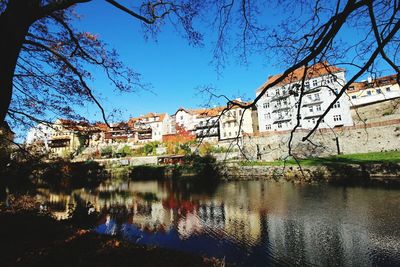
369, 79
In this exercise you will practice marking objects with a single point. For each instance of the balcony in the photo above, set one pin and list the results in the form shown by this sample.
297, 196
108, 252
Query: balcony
312, 90
281, 108
279, 97
229, 119
209, 125
282, 119
312, 102
311, 116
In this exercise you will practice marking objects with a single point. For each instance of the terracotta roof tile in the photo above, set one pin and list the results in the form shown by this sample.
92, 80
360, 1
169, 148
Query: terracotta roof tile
378, 82
313, 71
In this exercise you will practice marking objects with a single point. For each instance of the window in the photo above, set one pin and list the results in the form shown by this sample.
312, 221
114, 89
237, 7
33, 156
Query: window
316, 97
181, 118
229, 134
313, 120
337, 117
240, 112
378, 91
283, 92
311, 109
336, 105
279, 125
266, 105
268, 127
277, 91
353, 97
318, 107
267, 116
387, 89
307, 85
314, 83
224, 134
368, 92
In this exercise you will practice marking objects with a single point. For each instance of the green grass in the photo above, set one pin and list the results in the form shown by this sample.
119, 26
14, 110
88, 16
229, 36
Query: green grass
364, 158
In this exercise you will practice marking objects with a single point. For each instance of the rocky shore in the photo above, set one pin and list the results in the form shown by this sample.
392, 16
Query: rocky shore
349, 174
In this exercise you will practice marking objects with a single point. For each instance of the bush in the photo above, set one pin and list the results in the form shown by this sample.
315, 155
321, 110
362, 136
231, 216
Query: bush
106, 152
125, 151
204, 167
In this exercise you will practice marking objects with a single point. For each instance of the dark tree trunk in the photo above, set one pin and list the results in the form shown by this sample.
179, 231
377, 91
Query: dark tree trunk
14, 25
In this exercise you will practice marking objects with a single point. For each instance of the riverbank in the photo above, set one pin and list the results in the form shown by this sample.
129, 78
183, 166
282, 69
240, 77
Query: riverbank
32, 239
357, 169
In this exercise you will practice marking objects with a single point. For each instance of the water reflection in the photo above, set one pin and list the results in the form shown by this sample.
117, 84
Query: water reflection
253, 223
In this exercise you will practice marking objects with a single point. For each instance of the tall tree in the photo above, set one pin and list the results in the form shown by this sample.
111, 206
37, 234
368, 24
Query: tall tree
45, 61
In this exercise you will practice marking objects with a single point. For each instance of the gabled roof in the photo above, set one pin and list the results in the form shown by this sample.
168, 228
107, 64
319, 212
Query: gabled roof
316, 70
74, 125
210, 112
158, 118
378, 82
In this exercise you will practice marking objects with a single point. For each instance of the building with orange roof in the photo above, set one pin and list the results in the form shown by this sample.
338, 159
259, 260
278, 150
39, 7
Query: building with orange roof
150, 127
374, 90
206, 126
66, 136
278, 106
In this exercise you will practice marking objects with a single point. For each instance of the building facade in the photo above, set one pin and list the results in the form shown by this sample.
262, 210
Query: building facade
236, 122
278, 107
373, 90
150, 127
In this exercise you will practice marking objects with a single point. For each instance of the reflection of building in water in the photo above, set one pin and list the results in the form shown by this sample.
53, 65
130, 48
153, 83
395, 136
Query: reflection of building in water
56, 203
242, 224
189, 225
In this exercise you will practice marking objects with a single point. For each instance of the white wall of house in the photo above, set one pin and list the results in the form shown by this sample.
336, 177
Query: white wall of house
185, 119
373, 95
277, 108
159, 125
230, 123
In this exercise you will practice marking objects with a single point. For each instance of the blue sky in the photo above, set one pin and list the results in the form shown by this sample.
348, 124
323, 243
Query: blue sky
172, 67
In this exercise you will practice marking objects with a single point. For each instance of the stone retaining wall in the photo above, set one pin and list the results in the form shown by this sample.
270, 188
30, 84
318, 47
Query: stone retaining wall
347, 174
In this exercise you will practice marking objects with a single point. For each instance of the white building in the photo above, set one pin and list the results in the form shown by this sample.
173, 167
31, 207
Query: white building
231, 125
277, 108
207, 124
151, 127
372, 91
186, 118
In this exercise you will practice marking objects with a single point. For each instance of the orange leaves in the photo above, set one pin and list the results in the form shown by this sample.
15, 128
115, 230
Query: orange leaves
90, 36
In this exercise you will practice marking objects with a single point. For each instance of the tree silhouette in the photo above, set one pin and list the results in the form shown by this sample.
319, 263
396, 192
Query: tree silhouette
44, 60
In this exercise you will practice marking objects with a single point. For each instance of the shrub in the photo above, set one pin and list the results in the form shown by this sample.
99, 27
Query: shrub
106, 152
125, 151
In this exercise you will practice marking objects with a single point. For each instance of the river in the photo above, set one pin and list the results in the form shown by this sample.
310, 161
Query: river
250, 223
